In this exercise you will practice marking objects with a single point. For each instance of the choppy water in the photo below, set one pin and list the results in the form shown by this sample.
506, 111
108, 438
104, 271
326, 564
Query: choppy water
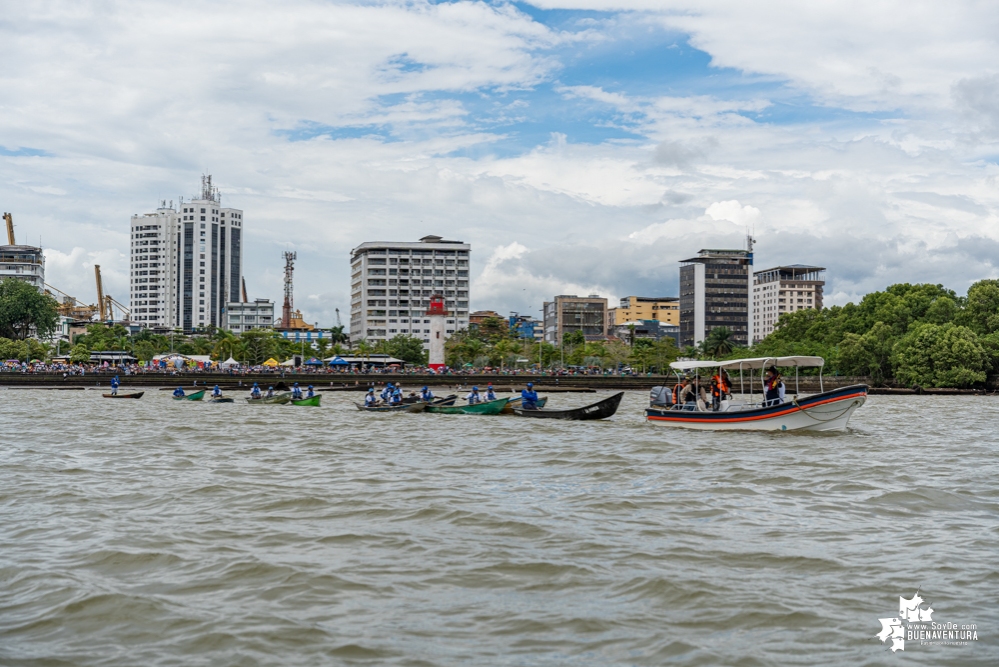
163, 533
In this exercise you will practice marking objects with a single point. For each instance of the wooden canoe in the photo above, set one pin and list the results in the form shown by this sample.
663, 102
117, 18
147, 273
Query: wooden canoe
196, 396
314, 401
136, 394
515, 403
599, 410
487, 408
399, 407
221, 399
276, 399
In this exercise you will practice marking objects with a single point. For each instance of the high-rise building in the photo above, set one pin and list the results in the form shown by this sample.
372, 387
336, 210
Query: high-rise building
665, 309
186, 263
715, 292
257, 314
784, 289
568, 312
21, 262
391, 285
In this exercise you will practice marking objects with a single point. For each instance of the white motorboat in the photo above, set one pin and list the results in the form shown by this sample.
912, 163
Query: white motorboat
825, 411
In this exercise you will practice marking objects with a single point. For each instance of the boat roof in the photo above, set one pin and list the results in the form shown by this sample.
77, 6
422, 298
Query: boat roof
755, 362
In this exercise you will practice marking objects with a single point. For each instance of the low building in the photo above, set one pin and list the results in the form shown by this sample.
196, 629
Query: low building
23, 262
629, 332
244, 316
634, 308
525, 326
714, 293
568, 312
784, 289
478, 316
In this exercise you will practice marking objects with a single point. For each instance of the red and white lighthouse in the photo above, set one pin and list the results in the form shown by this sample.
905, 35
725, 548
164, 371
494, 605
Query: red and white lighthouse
437, 315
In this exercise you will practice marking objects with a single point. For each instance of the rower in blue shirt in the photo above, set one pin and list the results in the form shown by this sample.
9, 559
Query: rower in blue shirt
255, 392
179, 392
474, 397
310, 393
114, 385
216, 392
426, 395
529, 397
296, 392
370, 400
396, 396
490, 394
386, 392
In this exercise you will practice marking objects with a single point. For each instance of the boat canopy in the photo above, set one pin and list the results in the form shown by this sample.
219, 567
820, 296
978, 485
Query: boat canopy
756, 362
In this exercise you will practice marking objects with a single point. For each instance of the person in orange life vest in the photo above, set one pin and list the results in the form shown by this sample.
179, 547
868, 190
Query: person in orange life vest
716, 394
773, 387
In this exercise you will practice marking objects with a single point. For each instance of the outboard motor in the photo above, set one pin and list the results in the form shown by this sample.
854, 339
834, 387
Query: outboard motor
660, 397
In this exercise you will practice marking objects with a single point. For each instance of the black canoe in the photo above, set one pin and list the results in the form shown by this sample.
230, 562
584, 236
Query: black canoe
137, 394
599, 410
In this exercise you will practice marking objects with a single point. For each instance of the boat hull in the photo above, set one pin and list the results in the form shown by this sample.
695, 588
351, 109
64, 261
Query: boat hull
828, 411
221, 400
487, 408
196, 396
401, 407
516, 402
314, 401
137, 394
277, 399
599, 410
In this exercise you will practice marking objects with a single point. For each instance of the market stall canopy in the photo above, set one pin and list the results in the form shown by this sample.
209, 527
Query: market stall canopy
746, 364
272, 362
289, 362
313, 362
338, 361
229, 363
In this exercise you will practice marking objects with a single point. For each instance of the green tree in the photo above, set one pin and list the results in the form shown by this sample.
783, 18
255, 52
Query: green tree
981, 311
144, 350
14, 349
79, 354
407, 348
258, 345
947, 355
24, 311
718, 342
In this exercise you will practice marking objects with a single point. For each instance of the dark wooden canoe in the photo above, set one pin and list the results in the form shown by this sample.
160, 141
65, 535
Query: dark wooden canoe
136, 394
599, 410
222, 400
400, 407
516, 402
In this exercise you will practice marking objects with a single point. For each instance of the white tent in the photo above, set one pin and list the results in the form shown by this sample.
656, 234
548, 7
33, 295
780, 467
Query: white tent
290, 362
229, 363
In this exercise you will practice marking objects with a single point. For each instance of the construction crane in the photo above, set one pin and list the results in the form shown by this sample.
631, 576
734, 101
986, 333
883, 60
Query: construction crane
72, 307
106, 304
10, 228
101, 307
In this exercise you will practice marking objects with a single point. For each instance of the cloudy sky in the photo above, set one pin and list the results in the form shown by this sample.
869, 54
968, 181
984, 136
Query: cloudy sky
581, 146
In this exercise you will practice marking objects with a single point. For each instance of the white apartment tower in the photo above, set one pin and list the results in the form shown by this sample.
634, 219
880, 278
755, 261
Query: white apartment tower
391, 285
186, 263
784, 289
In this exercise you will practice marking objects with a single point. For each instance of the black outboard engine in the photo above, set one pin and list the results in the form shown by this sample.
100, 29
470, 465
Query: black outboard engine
660, 397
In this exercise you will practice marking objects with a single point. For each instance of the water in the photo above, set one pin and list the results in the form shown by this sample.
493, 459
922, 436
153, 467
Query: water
157, 533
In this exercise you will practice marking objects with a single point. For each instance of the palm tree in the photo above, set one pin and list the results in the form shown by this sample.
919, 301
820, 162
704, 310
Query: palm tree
718, 343
364, 348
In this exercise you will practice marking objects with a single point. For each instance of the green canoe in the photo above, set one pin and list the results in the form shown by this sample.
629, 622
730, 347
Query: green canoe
490, 408
308, 401
196, 396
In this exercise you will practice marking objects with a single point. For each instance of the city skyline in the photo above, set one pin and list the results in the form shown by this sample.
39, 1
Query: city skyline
580, 147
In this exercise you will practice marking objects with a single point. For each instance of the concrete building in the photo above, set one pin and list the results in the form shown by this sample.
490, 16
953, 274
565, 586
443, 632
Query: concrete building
633, 308
715, 292
525, 326
256, 314
478, 316
569, 312
629, 332
391, 285
784, 289
23, 262
186, 263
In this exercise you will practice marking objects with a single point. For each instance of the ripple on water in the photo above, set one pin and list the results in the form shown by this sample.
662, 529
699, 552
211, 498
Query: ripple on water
167, 533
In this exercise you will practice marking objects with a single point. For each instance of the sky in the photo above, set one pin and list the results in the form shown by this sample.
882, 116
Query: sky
580, 146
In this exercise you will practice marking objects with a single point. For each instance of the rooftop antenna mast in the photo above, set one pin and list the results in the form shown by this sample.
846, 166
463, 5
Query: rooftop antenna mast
289, 299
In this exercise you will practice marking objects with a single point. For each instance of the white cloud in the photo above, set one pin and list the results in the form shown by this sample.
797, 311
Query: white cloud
733, 212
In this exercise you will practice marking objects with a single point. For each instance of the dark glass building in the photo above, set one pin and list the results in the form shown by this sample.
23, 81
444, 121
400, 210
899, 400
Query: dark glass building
715, 292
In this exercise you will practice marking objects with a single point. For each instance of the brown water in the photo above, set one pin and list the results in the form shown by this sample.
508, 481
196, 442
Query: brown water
156, 532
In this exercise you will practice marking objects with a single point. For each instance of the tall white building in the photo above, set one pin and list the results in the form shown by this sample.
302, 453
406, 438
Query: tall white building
186, 263
784, 289
391, 285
